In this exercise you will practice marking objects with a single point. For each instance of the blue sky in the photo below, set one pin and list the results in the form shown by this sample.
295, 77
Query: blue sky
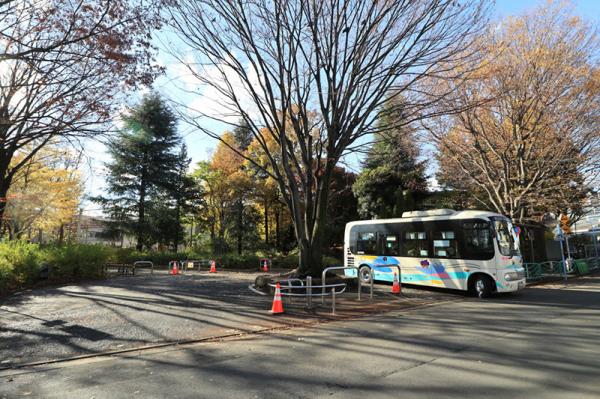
176, 81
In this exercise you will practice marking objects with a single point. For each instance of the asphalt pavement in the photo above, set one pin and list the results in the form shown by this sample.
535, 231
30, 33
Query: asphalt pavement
148, 310
540, 343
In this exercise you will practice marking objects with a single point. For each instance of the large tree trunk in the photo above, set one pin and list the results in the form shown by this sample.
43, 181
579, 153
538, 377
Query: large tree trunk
310, 235
4, 185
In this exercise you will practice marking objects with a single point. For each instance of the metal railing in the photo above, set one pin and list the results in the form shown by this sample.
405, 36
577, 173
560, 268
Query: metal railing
357, 268
372, 279
324, 277
538, 270
142, 263
308, 290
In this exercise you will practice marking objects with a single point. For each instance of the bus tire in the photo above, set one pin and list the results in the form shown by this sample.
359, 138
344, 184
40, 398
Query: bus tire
482, 286
364, 274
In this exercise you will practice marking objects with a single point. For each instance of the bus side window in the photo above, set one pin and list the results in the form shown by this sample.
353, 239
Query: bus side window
445, 245
366, 244
391, 245
415, 244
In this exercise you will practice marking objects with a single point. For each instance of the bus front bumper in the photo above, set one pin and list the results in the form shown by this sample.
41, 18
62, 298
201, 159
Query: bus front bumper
510, 286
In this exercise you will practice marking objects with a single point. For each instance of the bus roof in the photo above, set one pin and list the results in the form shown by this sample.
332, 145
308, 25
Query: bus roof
437, 214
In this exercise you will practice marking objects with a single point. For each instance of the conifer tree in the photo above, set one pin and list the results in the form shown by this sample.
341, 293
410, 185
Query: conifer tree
393, 179
143, 167
186, 194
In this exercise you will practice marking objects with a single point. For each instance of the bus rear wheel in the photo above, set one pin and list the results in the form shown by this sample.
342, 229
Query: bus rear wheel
482, 286
364, 274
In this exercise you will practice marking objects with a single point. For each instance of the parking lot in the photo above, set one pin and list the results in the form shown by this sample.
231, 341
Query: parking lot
539, 343
148, 310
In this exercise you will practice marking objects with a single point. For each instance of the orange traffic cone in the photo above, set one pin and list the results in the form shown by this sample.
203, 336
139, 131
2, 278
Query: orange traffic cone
277, 304
213, 267
396, 285
265, 266
174, 268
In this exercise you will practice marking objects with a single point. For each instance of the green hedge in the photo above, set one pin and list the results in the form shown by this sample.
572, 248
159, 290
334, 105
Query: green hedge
19, 264
23, 264
76, 262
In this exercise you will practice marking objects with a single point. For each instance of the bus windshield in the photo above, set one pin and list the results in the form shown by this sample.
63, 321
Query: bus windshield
506, 236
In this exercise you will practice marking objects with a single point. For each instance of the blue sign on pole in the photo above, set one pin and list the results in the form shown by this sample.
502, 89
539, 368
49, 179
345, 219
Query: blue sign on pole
559, 235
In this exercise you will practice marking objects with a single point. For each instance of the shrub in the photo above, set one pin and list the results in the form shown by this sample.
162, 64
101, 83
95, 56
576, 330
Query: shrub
234, 261
76, 261
19, 264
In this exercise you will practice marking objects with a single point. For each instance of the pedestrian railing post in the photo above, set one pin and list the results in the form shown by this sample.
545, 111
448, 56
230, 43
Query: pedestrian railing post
309, 291
333, 301
324, 277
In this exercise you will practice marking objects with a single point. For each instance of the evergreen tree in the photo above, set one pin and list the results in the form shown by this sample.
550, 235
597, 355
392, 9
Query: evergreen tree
342, 207
243, 226
186, 194
242, 135
393, 179
143, 168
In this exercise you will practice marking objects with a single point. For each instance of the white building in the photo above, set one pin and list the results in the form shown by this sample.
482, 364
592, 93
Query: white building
93, 230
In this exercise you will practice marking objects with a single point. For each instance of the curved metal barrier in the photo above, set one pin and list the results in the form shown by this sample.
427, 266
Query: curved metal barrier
324, 277
308, 290
141, 263
373, 276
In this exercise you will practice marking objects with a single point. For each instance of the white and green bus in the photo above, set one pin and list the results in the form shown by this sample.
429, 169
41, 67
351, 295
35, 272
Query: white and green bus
464, 250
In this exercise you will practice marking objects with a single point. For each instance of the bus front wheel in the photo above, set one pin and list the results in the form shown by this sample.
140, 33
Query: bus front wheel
364, 274
482, 286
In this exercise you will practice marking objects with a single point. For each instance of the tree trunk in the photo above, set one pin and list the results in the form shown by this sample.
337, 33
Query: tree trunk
310, 255
61, 234
277, 229
141, 218
310, 235
240, 226
266, 223
4, 185
212, 232
178, 225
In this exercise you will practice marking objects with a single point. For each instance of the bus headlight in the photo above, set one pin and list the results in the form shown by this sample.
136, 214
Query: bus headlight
510, 276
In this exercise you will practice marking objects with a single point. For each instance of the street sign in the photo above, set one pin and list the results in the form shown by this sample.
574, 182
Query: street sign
559, 235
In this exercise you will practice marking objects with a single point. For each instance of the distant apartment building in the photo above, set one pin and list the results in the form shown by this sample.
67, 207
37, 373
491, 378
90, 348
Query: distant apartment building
591, 221
95, 230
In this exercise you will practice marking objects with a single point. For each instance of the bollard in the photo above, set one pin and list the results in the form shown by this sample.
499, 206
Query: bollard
372, 279
333, 301
309, 291
359, 286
